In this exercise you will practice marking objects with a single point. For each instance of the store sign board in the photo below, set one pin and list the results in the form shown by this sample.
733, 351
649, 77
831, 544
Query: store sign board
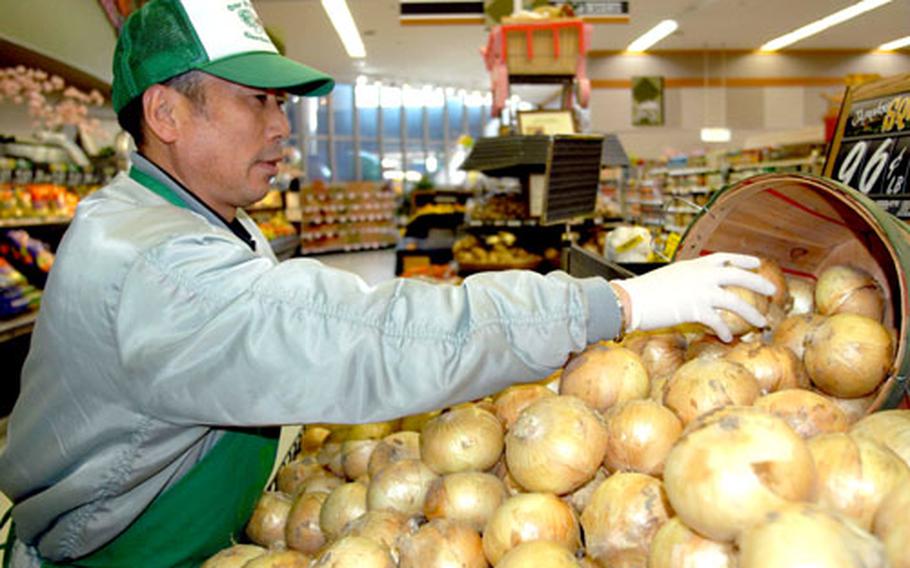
871, 147
441, 12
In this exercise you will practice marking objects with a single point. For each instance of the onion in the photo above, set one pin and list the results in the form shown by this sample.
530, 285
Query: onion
848, 355
892, 526
416, 422
312, 437
844, 289
661, 352
853, 408
355, 552
775, 368
891, 428
677, 546
291, 476
394, 447
527, 517
536, 554
320, 481
622, 518
234, 557
792, 332
580, 498
556, 445
802, 292
855, 475
708, 347
344, 504
330, 456
462, 439
384, 527
501, 471
302, 531
355, 456
266, 524
808, 413
604, 376
806, 535
640, 434
280, 559
442, 543
737, 325
509, 403
470, 497
658, 385
702, 385
402, 487
771, 271
734, 466
373, 430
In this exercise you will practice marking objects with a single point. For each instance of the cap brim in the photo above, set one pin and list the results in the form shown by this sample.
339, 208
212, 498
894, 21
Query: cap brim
267, 70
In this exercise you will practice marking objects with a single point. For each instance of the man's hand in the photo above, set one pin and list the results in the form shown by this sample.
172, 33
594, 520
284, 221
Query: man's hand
691, 291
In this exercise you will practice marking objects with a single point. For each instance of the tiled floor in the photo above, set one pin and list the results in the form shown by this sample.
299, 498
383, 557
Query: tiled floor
372, 266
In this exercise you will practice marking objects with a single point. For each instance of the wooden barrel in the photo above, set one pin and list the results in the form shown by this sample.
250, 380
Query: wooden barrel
806, 224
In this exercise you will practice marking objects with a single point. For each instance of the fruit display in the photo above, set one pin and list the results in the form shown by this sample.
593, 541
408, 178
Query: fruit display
28, 255
345, 217
276, 226
492, 252
498, 207
658, 451
17, 296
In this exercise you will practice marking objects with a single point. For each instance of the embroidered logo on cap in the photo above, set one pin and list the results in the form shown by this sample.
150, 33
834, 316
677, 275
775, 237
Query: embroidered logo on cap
244, 10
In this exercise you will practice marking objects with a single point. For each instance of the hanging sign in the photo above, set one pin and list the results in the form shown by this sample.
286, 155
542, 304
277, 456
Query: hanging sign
440, 12
870, 151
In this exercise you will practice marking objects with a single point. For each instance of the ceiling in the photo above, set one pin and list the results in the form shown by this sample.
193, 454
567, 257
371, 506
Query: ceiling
449, 55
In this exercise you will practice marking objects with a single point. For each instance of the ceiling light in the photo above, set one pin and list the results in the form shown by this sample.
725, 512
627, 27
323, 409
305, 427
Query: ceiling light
652, 36
817, 26
715, 134
343, 21
896, 44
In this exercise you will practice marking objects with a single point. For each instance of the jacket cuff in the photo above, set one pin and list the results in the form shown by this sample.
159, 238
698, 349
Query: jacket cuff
604, 310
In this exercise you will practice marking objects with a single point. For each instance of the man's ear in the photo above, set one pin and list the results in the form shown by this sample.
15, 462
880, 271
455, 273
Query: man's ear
159, 108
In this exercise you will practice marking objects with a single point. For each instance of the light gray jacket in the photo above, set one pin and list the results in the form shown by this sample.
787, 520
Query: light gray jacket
159, 326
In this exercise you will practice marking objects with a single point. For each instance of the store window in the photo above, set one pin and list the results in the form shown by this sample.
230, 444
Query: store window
343, 110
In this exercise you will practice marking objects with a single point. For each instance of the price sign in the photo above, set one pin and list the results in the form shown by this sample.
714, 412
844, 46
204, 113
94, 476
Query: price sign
871, 148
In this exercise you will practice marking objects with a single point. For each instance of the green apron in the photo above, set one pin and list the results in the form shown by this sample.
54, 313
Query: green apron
207, 509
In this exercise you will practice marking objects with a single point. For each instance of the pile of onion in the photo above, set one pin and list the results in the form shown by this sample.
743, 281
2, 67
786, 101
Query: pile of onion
791, 333
808, 413
734, 466
855, 475
384, 527
708, 347
442, 543
640, 434
802, 294
774, 367
622, 518
291, 476
344, 504
808, 535
416, 422
302, 531
234, 557
537, 554
737, 325
355, 552
470, 497
603, 376
527, 517
404, 445
703, 385
848, 355
892, 526
891, 428
843, 289
321, 480
556, 445
312, 437
512, 401
580, 498
401, 486
467, 438
278, 558
355, 457
853, 408
771, 271
661, 352
677, 546
266, 524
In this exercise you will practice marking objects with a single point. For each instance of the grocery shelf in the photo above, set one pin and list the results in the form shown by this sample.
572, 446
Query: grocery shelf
19, 325
34, 221
688, 171
776, 164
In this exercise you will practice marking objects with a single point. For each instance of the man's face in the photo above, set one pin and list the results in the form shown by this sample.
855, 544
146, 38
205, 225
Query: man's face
230, 146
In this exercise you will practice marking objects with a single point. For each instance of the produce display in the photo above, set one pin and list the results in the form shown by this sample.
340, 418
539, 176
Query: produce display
669, 449
493, 252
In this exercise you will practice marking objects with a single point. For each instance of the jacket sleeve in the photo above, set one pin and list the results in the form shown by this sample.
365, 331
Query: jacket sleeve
210, 333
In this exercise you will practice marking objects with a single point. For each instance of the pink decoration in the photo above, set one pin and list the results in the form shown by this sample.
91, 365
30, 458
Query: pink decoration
49, 100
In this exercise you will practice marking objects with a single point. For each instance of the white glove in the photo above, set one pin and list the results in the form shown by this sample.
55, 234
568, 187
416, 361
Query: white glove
690, 291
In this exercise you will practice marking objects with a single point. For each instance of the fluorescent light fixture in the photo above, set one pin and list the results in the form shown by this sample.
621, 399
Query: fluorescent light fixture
823, 24
715, 134
652, 36
896, 44
343, 21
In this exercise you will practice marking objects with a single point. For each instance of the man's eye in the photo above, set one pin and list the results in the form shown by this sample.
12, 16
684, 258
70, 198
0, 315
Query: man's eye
262, 99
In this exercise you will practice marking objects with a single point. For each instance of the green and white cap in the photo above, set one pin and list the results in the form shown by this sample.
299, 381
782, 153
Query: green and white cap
225, 38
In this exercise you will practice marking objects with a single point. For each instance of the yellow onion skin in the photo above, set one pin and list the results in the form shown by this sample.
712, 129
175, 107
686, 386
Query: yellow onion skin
661, 352
355, 457
802, 294
737, 325
677, 546
344, 504
556, 445
442, 543
512, 401
843, 289
580, 498
855, 475
853, 408
622, 518
394, 447
771, 271
640, 434
774, 367
312, 437
291, 476
401, 486
235, 556
416, 422
732, 467
266, 524
501, 471
470, 497
372, 430
792, 332
538, 554
848, 355
323, 480
278, 558
527, 517
330, 456
891, 428
892, 526
703, 385
708, 347
384, 527
355, 552
302, 531
805, 534
603, 376
808, 413
463, 439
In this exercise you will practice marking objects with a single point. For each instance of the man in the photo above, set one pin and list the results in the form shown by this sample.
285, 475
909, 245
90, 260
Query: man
170, 335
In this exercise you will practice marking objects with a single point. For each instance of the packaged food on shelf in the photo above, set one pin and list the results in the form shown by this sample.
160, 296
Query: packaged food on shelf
28, 255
